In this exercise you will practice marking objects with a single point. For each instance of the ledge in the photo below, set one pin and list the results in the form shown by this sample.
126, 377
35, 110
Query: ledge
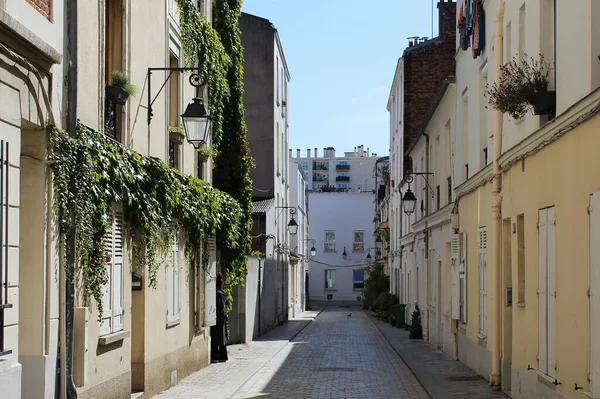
173, 323
546, 379
520, 304
112, 338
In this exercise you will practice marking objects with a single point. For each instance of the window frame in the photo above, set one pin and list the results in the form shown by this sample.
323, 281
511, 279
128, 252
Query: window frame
358, 246
359, 282
328, 278
329, 245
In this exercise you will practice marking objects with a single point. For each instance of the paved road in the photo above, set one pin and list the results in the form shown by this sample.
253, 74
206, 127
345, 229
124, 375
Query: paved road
335, 356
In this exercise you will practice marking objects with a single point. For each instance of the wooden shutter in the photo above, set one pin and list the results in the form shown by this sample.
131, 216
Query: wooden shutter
210, 299
117, 260
465, 274
176, 277
595, 294
482, 280
551, 288
542, 297
454, 262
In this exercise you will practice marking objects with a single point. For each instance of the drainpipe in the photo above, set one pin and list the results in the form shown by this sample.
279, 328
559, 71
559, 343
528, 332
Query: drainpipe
497, 214
71, 253
259, 290
426, 241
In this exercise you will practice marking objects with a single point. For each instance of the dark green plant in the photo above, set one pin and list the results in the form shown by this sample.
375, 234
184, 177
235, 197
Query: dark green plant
91, 173
377, 282
416, 329
173, 128
384, 302
521, 81
120, 79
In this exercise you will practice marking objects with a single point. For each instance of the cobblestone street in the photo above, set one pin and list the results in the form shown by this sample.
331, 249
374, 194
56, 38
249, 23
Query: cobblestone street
330, 355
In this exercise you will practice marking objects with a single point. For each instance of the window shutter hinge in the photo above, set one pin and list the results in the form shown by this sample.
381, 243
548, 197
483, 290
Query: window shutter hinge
589, 292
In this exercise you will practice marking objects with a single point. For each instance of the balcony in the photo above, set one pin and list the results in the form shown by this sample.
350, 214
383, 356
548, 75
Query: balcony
320, 166
342, 178
342, 167
318, 178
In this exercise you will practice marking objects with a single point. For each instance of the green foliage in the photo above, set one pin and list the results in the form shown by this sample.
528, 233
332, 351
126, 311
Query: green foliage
220, 52
120, 79
416, 329
257, 254
173, 128
520, 81
384, 302
377, 283
91, 173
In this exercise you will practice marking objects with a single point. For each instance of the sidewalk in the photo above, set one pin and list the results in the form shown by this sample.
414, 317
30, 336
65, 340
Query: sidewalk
223, 380
442, 376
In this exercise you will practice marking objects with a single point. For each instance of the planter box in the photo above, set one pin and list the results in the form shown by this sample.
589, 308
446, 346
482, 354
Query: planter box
544, 103
116, 94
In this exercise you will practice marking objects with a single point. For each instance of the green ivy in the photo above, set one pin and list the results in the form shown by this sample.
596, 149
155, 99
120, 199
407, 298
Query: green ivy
219, 53
91, 173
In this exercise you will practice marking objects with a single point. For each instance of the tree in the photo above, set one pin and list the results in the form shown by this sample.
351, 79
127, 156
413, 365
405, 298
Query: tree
375, 284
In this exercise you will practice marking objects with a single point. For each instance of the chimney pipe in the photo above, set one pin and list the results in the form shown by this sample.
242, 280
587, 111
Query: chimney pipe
367, 151
308, 153
298, 153
316, 152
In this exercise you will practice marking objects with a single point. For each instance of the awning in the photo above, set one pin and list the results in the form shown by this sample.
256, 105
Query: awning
383, 226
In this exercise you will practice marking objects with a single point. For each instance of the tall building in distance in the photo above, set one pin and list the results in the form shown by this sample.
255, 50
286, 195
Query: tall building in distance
354, 172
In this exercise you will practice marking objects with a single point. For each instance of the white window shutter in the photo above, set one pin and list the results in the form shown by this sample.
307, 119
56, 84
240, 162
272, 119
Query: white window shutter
551, 294
482, 281
117, 261
465, 271
170, 293
455, 254
176, 278
105, 327
542, 297
210, 299
595, 294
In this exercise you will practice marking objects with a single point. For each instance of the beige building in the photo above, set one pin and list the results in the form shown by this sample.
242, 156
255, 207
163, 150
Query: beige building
31, 87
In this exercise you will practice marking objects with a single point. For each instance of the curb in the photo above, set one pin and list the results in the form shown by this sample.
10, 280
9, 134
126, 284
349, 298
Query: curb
399, 355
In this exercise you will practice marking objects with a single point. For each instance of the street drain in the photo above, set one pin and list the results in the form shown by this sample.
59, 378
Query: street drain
336, 369
465, 378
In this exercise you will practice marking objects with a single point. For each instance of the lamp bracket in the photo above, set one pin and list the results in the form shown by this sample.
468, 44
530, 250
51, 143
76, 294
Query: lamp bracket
292, 210
195, 80
408, 178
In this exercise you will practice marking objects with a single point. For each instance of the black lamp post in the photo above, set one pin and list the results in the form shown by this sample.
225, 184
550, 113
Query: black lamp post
196, 123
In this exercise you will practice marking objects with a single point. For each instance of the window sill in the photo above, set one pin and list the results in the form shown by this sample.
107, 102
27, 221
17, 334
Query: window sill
520, 304
173, 323
112, 338
546, 379
589, 395
330, 289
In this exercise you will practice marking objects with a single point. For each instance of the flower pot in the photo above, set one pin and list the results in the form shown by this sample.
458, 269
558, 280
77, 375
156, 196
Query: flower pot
116, 94
544, 103
176, 137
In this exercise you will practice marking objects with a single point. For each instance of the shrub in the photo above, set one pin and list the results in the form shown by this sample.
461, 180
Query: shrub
120, 79
416, 329
384, 302
375, 284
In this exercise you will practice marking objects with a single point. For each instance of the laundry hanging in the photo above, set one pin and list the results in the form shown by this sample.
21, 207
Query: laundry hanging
464, 39
478, 28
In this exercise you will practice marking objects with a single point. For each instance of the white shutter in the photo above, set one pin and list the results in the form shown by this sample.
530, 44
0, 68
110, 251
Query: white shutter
454, 261
117, 260
105, 327
176, 277
464, 265
551, 257
482, 281
210, 299
595, 294
170, 293
542, 297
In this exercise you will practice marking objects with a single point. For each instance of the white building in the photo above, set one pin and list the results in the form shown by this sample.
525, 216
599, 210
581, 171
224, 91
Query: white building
299, 244
353, 172
341, 223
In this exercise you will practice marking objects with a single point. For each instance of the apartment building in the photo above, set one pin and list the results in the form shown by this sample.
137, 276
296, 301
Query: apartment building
354, 172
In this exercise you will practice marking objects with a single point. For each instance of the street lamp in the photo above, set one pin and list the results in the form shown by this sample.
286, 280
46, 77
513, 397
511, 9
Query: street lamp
378, 242
409, 202
292, 224
344, 254
369, 257
313, 250
196, 123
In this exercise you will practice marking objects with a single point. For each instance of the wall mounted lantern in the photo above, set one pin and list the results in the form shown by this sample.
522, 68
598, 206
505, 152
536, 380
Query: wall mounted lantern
409, 201
313, 250
378, 242
292, 224
344, 254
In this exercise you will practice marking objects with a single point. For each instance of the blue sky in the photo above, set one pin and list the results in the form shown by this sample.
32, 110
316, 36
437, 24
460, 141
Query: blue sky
341, 55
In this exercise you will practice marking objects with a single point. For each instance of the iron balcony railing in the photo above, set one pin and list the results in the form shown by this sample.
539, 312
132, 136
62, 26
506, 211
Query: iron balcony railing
342, 167
342, 178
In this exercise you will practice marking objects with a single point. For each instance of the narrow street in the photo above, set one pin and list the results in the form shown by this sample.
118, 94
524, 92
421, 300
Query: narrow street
325, 354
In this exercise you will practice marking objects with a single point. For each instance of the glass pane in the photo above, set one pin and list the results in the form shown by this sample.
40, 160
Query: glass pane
359, 236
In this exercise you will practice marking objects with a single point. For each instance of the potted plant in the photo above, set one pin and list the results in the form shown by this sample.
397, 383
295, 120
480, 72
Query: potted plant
120, 88
204, 152
523, 86
176, 133
416, 329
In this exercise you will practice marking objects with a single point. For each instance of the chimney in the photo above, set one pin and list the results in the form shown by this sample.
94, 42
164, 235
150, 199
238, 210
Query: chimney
367, 151
290, 150
298, 153
308, 153
447, 19
316, 152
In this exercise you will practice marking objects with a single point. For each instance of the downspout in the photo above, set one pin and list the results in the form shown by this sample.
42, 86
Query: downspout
497, 213
426, 233
70, 245
259, 290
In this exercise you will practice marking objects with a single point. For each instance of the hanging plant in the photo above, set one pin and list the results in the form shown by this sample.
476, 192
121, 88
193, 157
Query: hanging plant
523, 82
91, 173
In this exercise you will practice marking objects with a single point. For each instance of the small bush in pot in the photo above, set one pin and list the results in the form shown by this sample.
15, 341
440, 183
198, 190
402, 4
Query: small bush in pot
120, 88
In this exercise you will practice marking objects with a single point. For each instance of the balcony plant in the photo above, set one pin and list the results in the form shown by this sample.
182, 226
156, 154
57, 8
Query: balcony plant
205, 152
523, 86
176, 133
120, 88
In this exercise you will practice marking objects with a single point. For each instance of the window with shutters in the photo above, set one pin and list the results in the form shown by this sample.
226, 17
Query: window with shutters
546, 293
330, 240
462, 274
173, 283
482, 282
112, 316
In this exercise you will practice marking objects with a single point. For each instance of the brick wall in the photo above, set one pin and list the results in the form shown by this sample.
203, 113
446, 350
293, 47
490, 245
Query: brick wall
43, 6
426, 65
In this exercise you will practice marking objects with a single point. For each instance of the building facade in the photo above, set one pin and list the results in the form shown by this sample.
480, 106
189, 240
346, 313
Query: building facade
342, 225
300, 244
353, 172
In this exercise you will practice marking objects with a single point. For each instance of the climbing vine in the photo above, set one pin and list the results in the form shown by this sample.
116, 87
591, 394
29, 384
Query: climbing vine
219, 51
91, 173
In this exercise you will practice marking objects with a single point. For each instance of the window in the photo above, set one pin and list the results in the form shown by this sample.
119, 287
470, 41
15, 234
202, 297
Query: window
449, 181
112, 317
438, 199
482, 282
175, 139
330, 240
305, 165
173, 283
467, 172
485, 157
521, 259
359, 241
113, 44
547, 293
329, 279
342, 186
359, 279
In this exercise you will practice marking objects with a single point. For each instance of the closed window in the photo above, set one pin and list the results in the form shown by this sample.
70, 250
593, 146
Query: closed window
359, 279
330, 240
330, 279
112, 316
359, 241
